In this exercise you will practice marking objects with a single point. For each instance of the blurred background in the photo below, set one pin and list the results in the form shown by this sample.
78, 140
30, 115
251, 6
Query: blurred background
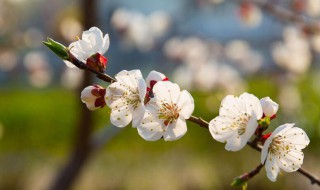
210, 47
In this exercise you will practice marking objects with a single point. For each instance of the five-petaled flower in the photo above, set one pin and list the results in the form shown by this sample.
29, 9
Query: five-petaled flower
237, 120
94, 97
282, 150
166, 113
126, 98
92, 42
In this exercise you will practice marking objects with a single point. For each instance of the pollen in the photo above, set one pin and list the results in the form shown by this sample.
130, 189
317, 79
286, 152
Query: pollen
169, 112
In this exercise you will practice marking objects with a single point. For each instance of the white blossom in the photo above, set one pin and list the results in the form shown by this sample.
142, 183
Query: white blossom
237, 120
166, 113
94, 97
126, 98
282, 150
92, 42
269, 107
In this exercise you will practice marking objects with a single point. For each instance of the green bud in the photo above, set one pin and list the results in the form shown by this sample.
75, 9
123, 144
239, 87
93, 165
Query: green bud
265, 122
59, 49
238, 181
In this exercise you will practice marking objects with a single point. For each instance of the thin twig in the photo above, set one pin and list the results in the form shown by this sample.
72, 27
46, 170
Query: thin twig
197, 120
84, 66
252, 173
205, 124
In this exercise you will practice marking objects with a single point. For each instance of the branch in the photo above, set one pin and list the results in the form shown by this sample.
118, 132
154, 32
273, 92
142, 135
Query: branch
205, 124
197, 120
84, 66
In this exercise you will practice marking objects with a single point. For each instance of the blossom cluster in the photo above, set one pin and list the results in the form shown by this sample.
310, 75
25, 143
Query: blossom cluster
159, 109
242, 117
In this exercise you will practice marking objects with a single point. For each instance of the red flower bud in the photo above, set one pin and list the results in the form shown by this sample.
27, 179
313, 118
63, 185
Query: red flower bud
97, 62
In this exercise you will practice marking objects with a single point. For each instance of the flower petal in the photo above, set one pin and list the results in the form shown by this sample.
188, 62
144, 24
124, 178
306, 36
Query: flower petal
93, 36
272, 168
166, 90
105, 44
253, 104
121, 117
154, 76
175, 130
186, 104
219, 130
129, 78
231, 106
235, 143
149, 129
137, 115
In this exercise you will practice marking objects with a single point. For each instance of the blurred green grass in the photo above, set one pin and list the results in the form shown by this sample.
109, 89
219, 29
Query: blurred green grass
38, 128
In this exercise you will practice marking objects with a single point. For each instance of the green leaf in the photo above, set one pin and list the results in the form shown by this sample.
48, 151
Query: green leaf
59, 49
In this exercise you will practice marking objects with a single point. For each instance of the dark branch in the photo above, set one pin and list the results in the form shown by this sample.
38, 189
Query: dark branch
197, 120
84, 66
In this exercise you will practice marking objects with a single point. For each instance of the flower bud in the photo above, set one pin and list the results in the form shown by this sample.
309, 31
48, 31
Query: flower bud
93, 97
97, 62
269, 107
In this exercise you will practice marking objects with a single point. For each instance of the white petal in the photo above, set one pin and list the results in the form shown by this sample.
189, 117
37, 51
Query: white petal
250, 128
282, 129
231, 106
253, 104
90, 105
83, 48
86, 94
218, 129
235, 143
137, 115
149, 129
186, 104
166, 90
121, 117
142, 88
297, 137
93, 36
269, 107
272, 168
291, 162
175, 130
105, 45
265, 148
129, 78
154, 76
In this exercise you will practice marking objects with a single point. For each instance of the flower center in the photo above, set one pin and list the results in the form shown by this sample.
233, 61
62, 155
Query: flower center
132, 98
169, 112
277, 146
239, 123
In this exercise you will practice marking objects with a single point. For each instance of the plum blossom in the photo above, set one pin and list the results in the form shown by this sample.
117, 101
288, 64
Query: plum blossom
166, 113
126, 98
282, 150
237, 120
269, 107
94, 97
92, 42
